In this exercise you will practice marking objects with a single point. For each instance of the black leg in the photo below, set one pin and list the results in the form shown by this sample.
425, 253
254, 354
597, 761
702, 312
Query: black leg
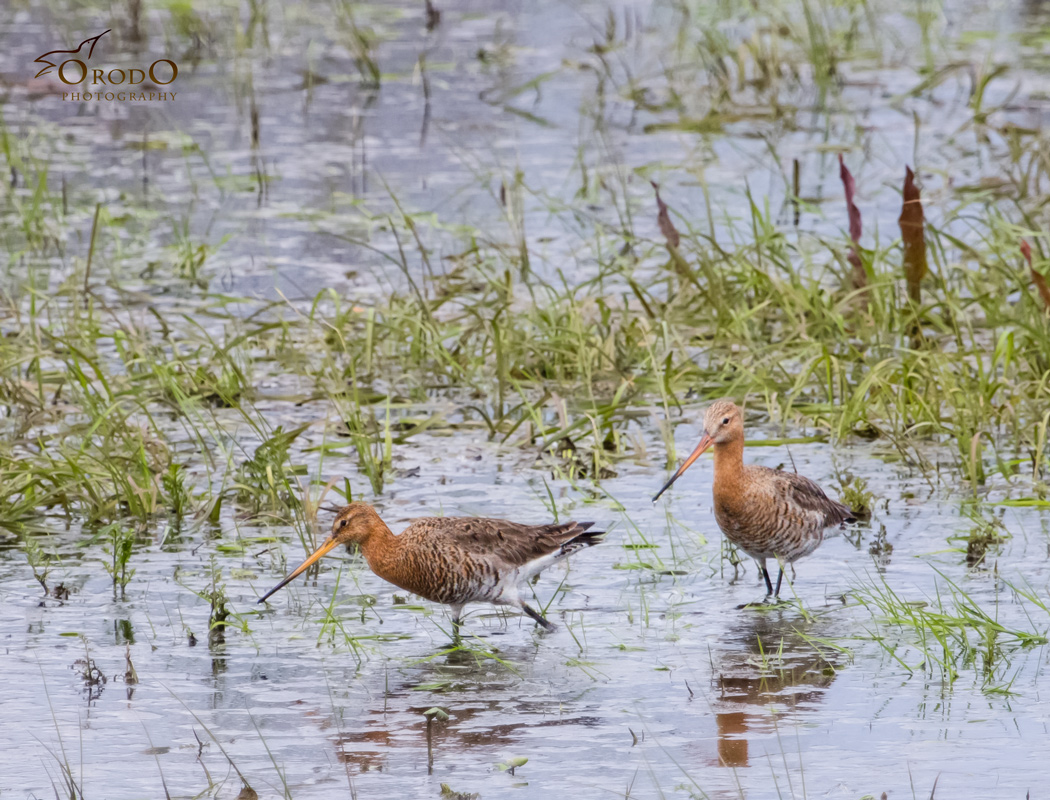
780, 577
769, 583
457, 620
536, 615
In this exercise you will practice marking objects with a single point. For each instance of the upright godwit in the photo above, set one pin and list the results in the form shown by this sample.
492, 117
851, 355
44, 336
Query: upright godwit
765, 512
455, 560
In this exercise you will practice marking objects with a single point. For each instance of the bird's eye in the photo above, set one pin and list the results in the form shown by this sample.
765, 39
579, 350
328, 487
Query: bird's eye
725, 421
342, 523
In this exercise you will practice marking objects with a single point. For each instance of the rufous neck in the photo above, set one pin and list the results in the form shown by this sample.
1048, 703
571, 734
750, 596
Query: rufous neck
379, 546
729, 460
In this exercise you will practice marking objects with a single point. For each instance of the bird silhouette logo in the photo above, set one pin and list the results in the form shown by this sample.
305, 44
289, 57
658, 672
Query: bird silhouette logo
56, 55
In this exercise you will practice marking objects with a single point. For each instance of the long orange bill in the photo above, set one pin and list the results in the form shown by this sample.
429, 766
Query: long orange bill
705, 442
320, 552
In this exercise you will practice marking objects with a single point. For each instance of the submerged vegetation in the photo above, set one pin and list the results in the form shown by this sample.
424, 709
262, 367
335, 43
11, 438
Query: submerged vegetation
225, 334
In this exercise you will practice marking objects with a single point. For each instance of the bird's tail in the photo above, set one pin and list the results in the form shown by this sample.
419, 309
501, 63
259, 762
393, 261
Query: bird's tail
852, 514
582, 537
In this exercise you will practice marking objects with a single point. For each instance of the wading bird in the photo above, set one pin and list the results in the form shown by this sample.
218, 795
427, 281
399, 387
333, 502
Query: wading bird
455, 560
765, 512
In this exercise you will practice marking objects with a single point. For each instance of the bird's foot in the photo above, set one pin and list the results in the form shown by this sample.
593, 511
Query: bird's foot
767, 603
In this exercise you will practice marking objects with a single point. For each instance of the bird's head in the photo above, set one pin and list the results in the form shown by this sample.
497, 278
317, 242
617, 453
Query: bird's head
352, 525
723, 423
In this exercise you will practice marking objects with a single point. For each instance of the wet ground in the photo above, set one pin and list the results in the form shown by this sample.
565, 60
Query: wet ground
915, 654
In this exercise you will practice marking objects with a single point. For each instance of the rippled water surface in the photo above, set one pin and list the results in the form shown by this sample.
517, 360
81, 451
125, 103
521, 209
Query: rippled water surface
656, 680
657, 683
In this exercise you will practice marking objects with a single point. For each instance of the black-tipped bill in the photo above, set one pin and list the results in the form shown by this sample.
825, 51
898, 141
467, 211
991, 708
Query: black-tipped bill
705, 442
321, 551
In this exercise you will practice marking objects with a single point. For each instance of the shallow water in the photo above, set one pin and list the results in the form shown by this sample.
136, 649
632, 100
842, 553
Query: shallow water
656, 684
656, 681
505, 95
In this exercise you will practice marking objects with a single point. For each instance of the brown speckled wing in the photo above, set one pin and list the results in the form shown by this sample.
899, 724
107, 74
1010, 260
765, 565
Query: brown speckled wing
511, 543
459, 560
808, 497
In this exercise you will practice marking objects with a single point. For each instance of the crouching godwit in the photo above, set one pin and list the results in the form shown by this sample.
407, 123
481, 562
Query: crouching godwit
455, 560
765, 512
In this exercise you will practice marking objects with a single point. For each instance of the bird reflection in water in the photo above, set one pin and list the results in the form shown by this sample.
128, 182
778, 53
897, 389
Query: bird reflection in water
488, 695
767, 672
380, 732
